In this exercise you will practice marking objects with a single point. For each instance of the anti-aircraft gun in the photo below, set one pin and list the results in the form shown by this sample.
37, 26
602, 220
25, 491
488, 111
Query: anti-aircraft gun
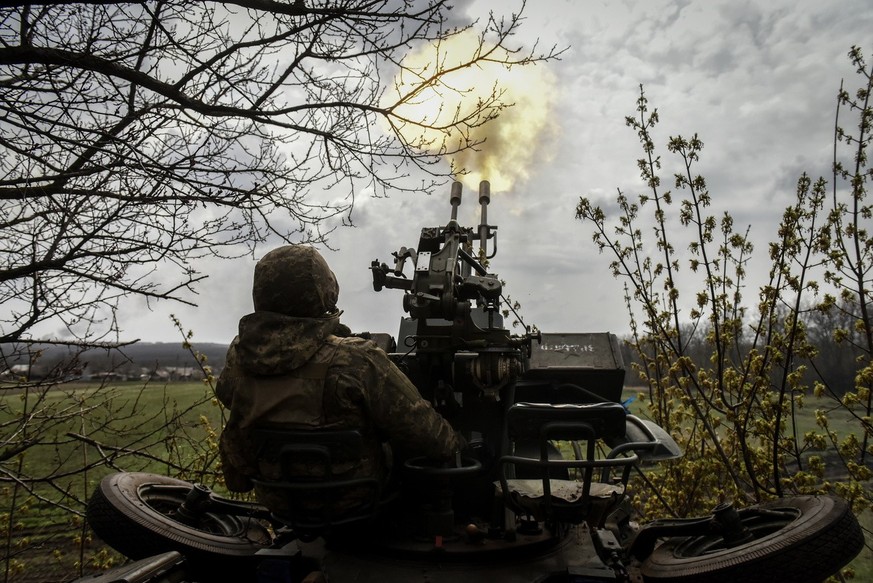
453, 344
513, 508
454, 339
455, 348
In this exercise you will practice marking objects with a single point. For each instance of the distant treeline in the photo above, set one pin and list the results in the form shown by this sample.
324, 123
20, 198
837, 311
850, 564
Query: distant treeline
835, 363
135, 361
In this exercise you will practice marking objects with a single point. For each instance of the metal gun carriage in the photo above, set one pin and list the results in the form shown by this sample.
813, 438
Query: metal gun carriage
538, 495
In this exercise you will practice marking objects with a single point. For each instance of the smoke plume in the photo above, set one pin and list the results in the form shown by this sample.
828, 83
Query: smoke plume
511, 143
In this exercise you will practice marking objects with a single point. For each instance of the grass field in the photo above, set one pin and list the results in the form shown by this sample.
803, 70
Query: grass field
106, 429
123, 426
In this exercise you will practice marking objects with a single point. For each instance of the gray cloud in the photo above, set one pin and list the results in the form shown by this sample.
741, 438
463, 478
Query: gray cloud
756, 81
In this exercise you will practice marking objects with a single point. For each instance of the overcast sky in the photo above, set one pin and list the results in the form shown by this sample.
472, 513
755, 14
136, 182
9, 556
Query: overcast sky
755, 80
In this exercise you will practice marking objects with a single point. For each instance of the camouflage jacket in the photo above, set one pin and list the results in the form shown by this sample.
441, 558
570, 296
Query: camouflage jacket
294, 373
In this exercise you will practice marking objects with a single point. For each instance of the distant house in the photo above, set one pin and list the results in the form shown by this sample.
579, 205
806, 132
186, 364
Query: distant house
31, 372
41, 372
170, 373
182, 373
154, 374
20, 370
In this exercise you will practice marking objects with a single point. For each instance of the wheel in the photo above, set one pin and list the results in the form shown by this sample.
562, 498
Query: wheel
803, 539
135, 513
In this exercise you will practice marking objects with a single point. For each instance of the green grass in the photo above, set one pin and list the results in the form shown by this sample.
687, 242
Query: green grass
122, 426
130, 423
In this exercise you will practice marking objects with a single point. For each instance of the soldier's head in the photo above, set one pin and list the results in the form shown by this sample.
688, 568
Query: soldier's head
295, 280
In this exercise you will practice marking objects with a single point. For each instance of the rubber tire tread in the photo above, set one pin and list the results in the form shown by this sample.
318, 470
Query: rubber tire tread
120, 518
823, 539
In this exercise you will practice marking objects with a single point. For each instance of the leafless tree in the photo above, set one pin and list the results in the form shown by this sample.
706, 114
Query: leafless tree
147, 135
138, 135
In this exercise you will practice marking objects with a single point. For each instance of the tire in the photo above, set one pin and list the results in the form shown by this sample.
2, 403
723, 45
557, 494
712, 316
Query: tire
132, 513
813, 539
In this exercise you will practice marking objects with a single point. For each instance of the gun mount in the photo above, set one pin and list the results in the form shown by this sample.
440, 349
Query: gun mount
455, 328
512, 507
456, 350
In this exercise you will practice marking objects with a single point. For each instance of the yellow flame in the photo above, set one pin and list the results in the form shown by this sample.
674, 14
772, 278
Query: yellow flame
512, 141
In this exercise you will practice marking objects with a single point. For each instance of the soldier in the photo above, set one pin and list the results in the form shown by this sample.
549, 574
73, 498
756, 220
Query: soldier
290, 367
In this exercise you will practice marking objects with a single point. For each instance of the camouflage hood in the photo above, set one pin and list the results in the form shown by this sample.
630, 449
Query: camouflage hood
295, 280
274, 344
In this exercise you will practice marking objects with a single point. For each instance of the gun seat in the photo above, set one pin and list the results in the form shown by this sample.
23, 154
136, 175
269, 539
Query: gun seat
563, 500
303, 490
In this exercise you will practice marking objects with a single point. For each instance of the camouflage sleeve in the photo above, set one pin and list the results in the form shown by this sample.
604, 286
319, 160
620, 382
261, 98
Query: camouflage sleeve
235, 463
406, 418
224, 387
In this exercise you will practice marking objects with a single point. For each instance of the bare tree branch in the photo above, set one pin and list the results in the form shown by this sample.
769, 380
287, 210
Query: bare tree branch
153, 134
